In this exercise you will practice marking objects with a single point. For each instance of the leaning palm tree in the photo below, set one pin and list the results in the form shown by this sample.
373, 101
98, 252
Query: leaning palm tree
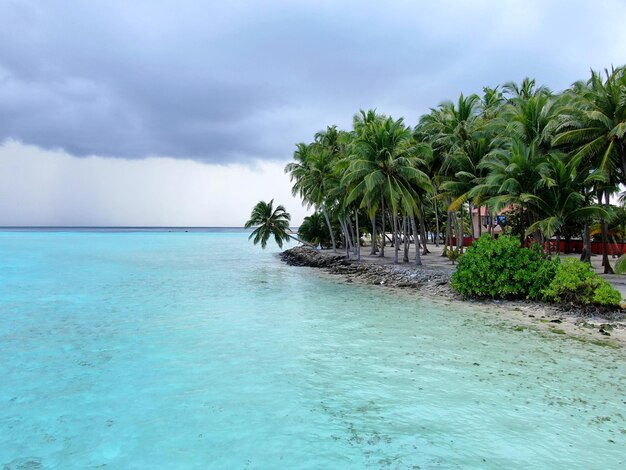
270, 222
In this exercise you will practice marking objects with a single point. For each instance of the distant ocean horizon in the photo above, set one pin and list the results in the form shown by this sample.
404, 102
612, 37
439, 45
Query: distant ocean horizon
123, 228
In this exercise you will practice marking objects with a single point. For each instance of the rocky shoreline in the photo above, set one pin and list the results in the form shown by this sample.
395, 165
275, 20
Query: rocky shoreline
436, 280
436, 283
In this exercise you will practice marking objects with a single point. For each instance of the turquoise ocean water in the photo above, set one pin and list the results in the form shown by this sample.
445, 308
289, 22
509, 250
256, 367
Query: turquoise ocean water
149, 350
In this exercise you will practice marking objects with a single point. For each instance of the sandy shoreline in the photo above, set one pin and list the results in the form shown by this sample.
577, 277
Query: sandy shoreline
431, 282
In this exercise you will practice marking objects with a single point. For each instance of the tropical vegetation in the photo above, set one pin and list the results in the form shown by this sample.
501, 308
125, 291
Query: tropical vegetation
554, 161
575, 282
502, 268
541, 165
270, 222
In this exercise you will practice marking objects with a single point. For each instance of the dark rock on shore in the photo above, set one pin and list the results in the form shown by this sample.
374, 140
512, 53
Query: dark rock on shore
438, 281
305, 256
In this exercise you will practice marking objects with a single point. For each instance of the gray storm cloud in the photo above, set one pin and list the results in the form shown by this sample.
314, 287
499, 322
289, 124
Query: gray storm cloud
244, 81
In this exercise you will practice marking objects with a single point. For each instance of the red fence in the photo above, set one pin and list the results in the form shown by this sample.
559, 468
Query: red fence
573, 246
576, 246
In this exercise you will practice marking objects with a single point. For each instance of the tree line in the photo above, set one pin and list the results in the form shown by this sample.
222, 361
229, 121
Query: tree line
553, 160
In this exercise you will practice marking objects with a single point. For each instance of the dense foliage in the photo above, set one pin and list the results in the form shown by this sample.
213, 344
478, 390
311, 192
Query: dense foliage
313, 230
575, 282
538, 164
502, 268
552, 159
271, 222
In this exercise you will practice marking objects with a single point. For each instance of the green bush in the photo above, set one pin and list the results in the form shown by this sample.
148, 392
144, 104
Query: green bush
502, 268
575, 282
543, 277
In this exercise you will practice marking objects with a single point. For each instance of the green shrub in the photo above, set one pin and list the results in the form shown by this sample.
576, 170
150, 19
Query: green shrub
575, 282
502, 268
543, 277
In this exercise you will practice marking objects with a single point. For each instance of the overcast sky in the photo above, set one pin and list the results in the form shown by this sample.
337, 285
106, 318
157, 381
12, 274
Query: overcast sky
185, 113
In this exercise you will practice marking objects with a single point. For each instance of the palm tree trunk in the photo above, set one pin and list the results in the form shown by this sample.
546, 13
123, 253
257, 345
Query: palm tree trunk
436, 218
418, 258
358, 236
453, 222
301, 241
453, 229
343, 232
459, 241
351, 231
471, 219
480, 223
605, 240
348, 236
522, 224
330, 228
374, 240
405, 231
586, 254
459, 234
382, 243
448, 242
396, 243
345, 236
423, 233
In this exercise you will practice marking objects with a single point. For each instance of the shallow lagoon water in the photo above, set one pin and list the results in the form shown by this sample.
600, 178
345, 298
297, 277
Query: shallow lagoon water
197, 350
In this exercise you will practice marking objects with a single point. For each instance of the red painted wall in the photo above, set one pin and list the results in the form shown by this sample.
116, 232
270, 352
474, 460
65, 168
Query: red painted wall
575, 246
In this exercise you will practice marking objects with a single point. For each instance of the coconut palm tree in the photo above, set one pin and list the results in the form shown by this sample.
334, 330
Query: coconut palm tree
562, 200
532, 118
465, 173
594, 128
525, 90
384, 164
270, 222
515, 175
313, 230
314, 175
450, 129
595, 124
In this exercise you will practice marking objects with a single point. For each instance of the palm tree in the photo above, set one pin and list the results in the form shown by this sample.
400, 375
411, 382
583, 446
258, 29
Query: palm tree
562, 200
527, 89
595, 125
532, 118
271, 223
313, 230
384, 165
450, 130
465, 173
314, 175
594, 128
515, 175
